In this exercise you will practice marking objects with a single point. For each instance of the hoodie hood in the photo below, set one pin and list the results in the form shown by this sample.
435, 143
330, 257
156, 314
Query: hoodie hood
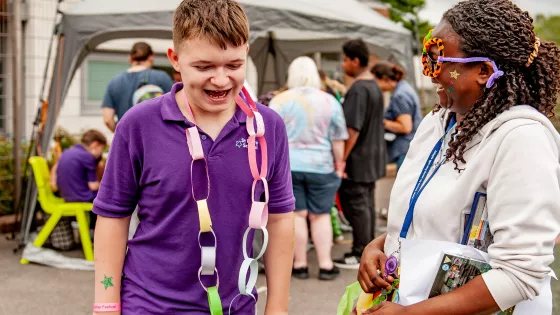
518, 115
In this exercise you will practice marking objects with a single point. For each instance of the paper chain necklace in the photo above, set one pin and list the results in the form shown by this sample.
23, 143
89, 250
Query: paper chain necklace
258, 216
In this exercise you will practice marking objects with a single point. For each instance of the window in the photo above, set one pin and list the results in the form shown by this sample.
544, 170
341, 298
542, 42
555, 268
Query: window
98, 70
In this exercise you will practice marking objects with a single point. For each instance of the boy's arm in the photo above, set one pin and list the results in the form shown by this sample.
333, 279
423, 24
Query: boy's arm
338, 153
109, 118
93, 186
402, 125
111, 236
278, 262
354, 111
349, 144
53, 184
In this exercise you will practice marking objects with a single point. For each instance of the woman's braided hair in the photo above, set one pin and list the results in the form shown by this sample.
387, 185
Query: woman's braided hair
499, 30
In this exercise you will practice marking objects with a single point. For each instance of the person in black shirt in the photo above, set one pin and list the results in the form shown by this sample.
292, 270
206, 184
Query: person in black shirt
365, 151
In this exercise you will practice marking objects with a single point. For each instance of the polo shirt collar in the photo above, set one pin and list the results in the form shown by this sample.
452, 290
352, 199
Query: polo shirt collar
80, 146
170, 109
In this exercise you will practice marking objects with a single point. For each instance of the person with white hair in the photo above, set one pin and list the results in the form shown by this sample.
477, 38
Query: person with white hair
316, 132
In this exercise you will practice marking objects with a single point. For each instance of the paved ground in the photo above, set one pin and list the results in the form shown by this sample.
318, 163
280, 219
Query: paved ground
39, 290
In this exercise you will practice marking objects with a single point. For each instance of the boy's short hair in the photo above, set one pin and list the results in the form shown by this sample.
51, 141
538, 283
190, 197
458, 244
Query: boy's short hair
222, 22
141, 51
356, 48
92, 136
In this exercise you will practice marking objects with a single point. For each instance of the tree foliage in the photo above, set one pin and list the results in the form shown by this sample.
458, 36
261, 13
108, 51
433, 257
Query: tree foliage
405, 12
548, 28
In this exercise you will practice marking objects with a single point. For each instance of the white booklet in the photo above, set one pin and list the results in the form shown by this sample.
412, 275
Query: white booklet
420, 264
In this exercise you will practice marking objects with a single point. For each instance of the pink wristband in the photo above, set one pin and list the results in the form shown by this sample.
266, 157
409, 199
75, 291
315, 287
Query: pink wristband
106, 307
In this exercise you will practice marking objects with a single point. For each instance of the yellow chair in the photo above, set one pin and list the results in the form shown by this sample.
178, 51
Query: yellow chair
58, 208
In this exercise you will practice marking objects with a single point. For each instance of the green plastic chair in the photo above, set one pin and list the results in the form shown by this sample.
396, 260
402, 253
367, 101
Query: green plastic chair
58, 208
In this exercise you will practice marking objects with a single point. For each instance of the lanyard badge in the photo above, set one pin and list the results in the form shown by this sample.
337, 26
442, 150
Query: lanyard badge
392, 266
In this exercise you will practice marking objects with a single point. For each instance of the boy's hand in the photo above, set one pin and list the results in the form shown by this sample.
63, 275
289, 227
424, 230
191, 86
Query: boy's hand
372, 270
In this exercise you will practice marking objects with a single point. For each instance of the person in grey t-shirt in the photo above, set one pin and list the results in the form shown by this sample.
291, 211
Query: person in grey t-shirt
365, 150
118, 96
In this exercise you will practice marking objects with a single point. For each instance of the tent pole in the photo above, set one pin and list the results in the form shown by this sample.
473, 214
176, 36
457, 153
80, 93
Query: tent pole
16, 97
269, 51
30, 193
30, 209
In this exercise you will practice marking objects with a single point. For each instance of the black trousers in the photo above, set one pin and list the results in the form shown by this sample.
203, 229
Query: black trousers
358, 204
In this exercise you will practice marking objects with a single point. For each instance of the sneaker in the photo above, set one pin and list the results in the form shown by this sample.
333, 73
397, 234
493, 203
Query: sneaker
310, 246
384, 214
261, 268
340, 240
329, 274
345, 227
300, 273
350, 261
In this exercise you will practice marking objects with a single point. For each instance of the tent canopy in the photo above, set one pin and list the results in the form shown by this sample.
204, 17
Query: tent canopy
282, 30
289, 28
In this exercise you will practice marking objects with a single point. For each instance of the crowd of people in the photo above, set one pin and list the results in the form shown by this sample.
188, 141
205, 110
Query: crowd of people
337, 138
202, 164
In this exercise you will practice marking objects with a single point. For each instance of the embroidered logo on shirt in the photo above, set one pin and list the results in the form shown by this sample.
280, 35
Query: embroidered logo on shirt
243, 143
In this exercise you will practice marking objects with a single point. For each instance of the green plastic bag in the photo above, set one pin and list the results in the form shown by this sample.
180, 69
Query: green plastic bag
334, 221
346, 304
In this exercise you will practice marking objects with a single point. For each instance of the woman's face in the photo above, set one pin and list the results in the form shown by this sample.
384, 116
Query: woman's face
459, 84
386, 84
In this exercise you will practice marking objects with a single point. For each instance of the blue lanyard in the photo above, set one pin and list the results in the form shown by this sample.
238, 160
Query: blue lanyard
423, 180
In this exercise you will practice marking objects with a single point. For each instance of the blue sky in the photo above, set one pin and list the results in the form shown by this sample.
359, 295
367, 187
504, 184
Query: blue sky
435, 8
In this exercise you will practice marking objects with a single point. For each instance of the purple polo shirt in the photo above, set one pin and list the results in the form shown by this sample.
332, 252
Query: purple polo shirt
149, 165
76, 167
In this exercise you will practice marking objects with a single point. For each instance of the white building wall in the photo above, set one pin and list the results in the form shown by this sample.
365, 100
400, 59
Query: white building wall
38, 32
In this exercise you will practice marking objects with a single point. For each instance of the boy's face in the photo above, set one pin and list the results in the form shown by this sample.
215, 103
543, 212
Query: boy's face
96, 149
212, 77
350, 66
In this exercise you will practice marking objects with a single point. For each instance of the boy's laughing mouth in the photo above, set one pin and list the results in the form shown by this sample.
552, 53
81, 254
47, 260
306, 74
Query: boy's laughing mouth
217, 95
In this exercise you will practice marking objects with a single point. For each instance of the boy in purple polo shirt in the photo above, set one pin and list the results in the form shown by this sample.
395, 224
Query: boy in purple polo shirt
165, 270
76, 171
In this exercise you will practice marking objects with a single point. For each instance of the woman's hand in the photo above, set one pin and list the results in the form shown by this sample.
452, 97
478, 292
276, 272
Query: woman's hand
339, 169
387, 308
373, 260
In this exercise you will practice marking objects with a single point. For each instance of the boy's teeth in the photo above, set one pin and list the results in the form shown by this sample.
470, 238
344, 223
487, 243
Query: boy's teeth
217, 94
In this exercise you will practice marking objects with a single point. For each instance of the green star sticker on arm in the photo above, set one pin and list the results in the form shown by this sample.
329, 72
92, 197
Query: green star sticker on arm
107, 282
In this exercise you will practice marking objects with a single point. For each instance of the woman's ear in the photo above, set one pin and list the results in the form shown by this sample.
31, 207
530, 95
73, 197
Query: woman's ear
485, 71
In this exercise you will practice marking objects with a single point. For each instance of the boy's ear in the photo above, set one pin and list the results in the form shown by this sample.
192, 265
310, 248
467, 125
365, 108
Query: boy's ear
173, 58
247, 50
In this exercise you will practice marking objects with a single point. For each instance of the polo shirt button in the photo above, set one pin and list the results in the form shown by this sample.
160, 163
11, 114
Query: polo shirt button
203, 137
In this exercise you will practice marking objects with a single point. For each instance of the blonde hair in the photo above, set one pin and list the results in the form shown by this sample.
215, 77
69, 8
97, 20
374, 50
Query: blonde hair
303, 72
222, 22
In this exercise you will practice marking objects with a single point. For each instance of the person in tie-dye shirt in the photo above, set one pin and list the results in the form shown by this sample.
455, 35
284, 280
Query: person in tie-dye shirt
316, 132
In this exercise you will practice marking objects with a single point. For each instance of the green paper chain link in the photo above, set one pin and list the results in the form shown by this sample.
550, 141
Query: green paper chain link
214, 301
